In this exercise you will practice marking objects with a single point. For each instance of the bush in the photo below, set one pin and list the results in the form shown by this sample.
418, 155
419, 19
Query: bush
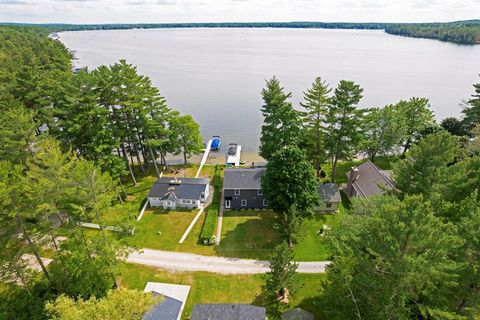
207, 236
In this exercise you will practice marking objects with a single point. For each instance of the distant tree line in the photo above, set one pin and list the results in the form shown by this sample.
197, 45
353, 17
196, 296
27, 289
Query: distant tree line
463, 32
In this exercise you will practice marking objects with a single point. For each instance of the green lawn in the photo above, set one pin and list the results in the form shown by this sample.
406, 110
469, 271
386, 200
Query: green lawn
312, 246
215, 288
248, 234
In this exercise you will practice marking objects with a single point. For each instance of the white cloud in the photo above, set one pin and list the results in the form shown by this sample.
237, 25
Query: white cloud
136, 11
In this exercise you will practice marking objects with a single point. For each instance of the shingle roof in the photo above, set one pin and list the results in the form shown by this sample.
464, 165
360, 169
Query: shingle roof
168, 309
227, 312
243, 178
184, 188
297, 314
329, 192
371, 180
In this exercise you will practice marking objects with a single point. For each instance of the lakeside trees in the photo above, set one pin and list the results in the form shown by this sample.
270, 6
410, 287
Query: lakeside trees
104, 121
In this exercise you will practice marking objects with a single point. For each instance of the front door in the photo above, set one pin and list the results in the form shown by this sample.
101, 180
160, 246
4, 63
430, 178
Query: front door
228, 204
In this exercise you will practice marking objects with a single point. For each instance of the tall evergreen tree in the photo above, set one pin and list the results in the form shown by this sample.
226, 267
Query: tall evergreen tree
344, 132
281, 124
392, 259
316, 102
422, 170
471, 111
186, 133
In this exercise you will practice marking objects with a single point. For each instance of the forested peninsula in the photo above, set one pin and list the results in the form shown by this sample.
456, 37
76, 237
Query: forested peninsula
461, 32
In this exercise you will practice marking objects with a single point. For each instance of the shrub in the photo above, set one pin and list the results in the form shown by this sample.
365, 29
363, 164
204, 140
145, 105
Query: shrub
207, 236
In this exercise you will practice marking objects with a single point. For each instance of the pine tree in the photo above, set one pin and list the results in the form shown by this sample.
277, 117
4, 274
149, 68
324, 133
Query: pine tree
281, 125
316, 102
344, 124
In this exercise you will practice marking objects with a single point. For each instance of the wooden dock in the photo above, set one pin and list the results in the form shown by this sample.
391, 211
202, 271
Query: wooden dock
205, 157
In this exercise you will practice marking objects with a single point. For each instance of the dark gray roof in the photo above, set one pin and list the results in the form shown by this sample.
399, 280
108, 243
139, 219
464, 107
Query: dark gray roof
168, 309
243, 178
297, 314
329, 192
184, 188
227, 312
371, 180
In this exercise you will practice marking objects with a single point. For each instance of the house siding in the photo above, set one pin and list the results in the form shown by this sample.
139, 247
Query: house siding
254, 200
156, 202
323, 208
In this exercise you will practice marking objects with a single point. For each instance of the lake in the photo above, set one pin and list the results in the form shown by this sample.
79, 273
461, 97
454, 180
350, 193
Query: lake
216, 75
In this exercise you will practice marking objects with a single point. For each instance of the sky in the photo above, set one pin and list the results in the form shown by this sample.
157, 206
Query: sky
160, 11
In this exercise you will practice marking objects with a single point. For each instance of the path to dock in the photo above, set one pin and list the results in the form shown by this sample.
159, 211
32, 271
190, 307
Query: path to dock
204, 158
180, 261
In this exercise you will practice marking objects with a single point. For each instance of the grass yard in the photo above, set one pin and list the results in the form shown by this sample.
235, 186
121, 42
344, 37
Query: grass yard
216, 288
248, 234
312, 246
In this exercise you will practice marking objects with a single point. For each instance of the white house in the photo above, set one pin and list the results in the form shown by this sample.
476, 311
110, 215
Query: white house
173, 193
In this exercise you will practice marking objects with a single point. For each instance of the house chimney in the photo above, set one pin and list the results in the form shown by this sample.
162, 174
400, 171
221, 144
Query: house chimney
351, 179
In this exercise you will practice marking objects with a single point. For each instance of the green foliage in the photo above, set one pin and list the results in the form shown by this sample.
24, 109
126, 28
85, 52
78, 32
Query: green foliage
454, 126
392, 259
187, 136
416, 118
281, 124
280, 280
384, 131
344, 131
208, 232
84, 269
120, 304
289, 180
422, 170
316, 101
471, 111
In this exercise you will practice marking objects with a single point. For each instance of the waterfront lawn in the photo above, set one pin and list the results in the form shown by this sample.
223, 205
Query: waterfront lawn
216, 288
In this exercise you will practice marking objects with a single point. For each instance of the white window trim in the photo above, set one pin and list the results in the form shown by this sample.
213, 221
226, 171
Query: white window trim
242, 202
260, 192
265, 202
237, 192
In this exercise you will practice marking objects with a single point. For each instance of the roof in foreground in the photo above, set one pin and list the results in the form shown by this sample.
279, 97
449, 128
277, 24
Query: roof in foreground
297, 314
329, 192
182, 188
227, 312
371, 180
236, 178
174, 298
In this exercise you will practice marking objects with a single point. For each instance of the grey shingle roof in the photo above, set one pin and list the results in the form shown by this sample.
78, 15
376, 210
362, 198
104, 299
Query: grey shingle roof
243, 178
329, 192
227, 312
186, 188
371, 180
168, 309
297, 314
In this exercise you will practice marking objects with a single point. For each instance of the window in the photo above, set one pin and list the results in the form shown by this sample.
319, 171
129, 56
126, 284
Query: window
259, 192
237, 192
329, 204
265, 202
244, 203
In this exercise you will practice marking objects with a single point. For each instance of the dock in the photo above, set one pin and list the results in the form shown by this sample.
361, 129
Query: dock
235, 160
205, 157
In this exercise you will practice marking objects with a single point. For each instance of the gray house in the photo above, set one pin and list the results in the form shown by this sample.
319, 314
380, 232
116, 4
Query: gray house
330, 197
368, 180
242, 189
173, 193
170, 307
227, 311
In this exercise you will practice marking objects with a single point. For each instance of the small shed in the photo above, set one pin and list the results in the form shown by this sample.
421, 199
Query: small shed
330, 196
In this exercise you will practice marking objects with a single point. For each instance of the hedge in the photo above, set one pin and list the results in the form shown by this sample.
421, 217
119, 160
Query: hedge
208, 232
